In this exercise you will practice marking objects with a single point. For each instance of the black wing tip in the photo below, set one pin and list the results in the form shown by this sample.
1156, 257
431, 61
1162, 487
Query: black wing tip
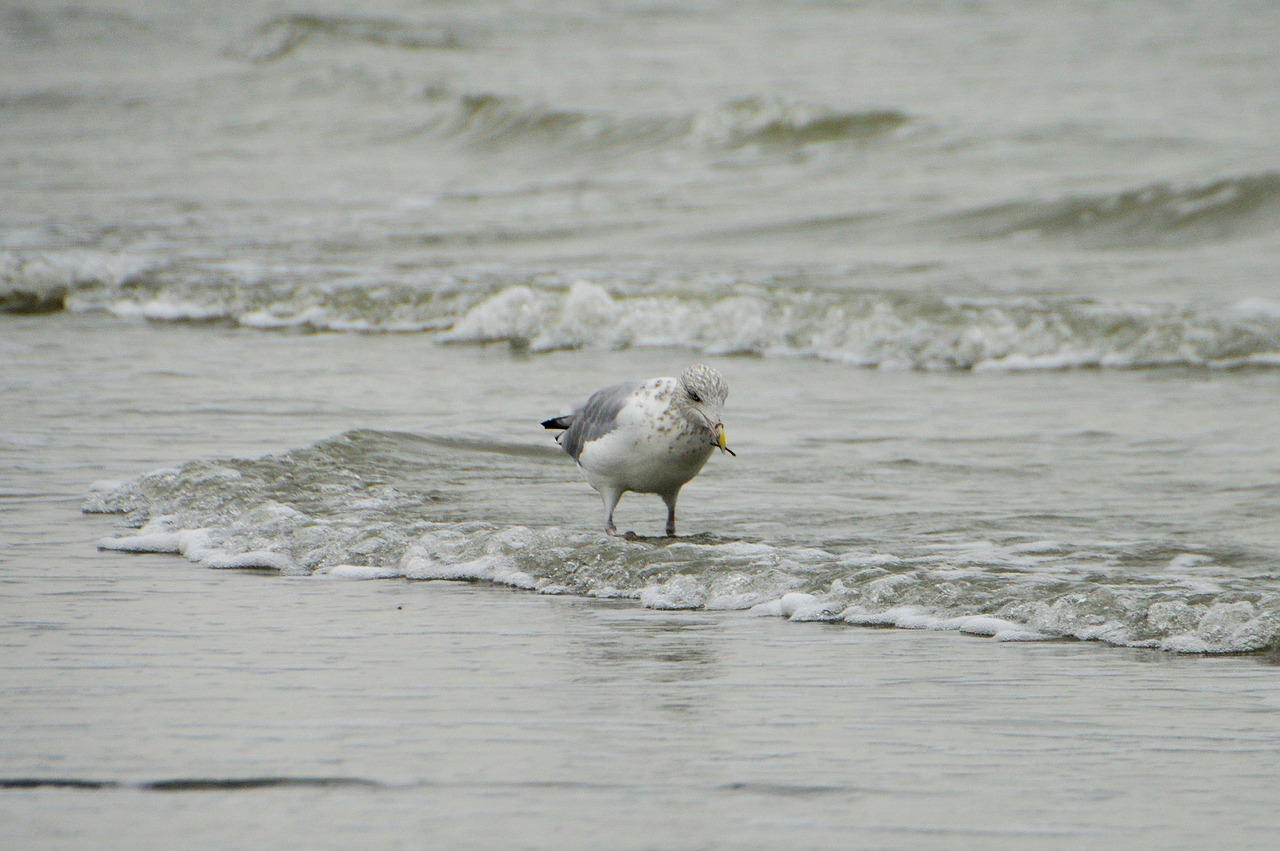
558, 422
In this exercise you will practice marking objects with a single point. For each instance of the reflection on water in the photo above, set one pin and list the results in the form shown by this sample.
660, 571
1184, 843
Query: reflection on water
649, 647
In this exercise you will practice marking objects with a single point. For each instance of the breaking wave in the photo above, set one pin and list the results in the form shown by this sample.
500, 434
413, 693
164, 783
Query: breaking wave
1160, 215
375, 505
889, 330
769, 125
42, 283
489, 120
281, 36
875, 329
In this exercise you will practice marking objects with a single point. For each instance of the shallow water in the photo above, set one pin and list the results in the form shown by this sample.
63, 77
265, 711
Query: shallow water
151, 701
1104, 506
993, 286
435, 714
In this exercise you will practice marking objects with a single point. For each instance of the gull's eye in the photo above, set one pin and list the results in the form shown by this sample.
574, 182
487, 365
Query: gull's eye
695, 397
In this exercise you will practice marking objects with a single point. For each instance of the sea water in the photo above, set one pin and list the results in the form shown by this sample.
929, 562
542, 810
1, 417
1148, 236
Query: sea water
994, 287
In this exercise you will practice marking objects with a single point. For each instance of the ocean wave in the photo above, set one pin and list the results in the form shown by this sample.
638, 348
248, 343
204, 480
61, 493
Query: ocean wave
1157, 215
888, 330
42, 282
263, 298
768, 125
783, 124
281, 36
884, 330
371, 505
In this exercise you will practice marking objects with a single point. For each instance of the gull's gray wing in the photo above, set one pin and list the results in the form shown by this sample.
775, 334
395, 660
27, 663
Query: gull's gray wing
597, 417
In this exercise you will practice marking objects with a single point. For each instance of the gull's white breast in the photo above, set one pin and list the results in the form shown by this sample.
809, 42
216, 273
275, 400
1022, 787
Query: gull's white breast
650, 450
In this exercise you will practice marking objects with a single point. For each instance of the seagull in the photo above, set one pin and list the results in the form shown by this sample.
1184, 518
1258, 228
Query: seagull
649, 436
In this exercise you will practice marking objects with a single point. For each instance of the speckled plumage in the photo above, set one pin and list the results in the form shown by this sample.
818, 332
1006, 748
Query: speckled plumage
648, 436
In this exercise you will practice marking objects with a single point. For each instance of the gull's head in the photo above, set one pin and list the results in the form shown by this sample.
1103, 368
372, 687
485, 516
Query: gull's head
701, 399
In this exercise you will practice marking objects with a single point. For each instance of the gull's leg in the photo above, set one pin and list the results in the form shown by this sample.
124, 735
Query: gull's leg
670, 500
610, 498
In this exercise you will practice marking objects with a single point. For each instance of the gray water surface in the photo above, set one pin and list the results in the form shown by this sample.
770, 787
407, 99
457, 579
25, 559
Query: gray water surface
286, 292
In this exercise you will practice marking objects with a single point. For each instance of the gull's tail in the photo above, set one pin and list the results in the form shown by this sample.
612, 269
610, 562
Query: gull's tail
558, 422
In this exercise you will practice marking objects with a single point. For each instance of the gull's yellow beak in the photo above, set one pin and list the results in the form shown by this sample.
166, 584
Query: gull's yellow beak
720, 440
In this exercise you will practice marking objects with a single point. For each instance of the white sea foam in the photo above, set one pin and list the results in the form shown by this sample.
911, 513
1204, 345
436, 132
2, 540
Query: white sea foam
486, 569
874, 330
196, 545
769, 581
682, 592
255, 559
57, 276
107, 486
892, 331
268, 319
1256, 308
997, 628
1235, 627
149, 542
786, 606
1017, 362
1264, 359
915, 617
166, 309
455, 554
359, 572
248, 514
